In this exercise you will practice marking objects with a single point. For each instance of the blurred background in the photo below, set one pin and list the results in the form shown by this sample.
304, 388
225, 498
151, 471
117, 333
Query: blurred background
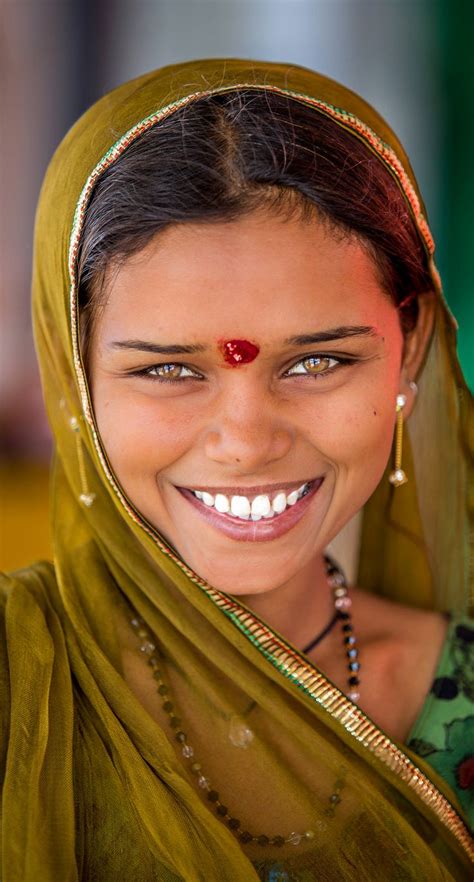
412, 59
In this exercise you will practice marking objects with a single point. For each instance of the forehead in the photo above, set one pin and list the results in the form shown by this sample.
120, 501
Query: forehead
230, 280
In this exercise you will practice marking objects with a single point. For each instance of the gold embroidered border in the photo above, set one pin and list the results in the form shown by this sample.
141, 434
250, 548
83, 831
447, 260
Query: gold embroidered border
281, 655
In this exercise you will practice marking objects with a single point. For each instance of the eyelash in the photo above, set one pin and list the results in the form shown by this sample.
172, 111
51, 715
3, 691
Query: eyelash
341, 361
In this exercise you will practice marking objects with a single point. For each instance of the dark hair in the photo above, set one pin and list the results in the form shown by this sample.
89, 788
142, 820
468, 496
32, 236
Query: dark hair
221, 157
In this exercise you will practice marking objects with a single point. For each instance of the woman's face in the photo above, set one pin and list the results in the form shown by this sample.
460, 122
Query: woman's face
301, 411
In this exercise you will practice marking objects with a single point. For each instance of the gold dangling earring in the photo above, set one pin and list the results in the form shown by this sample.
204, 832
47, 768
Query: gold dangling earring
398, 476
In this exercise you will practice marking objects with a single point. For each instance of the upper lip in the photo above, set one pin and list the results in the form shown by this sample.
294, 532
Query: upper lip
256, 490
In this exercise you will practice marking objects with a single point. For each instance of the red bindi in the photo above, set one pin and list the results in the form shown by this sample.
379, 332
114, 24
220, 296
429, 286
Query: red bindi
236, 352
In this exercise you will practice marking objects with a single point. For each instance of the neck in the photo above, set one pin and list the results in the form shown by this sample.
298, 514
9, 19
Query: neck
298, 609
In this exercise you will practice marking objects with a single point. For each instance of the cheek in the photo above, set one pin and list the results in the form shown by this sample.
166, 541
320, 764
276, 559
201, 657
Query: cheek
141, 435
355, 432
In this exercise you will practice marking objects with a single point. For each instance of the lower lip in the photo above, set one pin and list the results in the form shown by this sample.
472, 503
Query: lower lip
254, 531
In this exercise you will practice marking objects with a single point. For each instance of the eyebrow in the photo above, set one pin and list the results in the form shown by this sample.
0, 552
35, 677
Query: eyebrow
333, 334
159, 348
300, 340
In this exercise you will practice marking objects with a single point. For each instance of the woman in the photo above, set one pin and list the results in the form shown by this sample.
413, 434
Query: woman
236, 307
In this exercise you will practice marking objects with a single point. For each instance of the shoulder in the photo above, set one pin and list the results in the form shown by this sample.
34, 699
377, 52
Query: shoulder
34, 676
25, 613
26, 641
407, 641
412, 629
30, 582
400, 651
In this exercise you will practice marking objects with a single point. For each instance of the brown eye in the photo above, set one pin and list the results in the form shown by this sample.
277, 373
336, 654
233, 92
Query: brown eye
316, 365
168, 371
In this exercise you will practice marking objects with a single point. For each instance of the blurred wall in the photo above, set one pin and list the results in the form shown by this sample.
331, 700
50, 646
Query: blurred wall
412, 60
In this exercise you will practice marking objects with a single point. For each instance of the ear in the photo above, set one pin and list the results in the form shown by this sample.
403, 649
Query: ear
416, 346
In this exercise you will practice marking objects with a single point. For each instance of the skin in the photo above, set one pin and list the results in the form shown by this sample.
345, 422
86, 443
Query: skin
199, 284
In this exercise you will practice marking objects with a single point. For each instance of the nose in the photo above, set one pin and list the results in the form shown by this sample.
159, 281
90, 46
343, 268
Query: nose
248, 430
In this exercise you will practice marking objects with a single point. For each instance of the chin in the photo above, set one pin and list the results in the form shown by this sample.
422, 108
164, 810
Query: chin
242, 577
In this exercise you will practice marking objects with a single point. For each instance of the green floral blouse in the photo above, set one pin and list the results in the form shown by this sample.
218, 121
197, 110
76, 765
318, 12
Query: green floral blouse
444, 731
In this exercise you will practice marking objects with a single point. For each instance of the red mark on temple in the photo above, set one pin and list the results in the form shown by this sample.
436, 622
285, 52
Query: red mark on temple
237, 352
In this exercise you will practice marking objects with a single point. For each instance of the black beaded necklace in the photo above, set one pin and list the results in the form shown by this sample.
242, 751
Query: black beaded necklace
342, 605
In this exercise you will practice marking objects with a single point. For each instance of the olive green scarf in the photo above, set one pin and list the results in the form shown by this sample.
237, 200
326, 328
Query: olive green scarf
93, 788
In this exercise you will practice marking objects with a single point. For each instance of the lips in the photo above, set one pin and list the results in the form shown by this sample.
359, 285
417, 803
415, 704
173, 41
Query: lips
254, 531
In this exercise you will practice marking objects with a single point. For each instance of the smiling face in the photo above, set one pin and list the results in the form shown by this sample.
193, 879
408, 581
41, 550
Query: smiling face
306, 426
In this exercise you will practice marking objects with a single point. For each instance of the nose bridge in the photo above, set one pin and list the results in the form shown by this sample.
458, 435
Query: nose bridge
247, 424
244, 397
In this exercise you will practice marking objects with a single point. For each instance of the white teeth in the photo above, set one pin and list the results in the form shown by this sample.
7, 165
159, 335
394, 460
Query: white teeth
221, 503
261, 506
279, 503
240, 507
292, 497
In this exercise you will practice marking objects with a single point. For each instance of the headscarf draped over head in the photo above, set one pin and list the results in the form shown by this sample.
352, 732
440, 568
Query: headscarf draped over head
93, 786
